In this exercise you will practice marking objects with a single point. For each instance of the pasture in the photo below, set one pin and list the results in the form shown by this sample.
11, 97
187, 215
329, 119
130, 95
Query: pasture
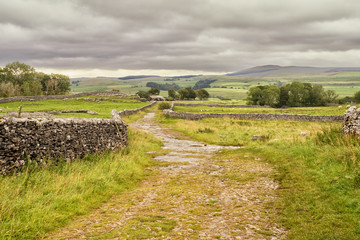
228, 87
102, 107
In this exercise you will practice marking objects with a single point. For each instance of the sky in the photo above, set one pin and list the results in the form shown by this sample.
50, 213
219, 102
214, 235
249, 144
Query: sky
83, 38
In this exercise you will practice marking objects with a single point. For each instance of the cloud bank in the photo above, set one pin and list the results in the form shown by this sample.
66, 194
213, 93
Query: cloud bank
178, 36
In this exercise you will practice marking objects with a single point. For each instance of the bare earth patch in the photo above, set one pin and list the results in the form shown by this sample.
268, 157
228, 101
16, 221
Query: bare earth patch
199, 194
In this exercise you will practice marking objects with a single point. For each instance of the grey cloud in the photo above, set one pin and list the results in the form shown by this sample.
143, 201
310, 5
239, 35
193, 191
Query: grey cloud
206, 35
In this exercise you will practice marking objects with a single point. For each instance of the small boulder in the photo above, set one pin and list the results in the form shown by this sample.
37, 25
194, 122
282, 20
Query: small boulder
256, 137
304, 134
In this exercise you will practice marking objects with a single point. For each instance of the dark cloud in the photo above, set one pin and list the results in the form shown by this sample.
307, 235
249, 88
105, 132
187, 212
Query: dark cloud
198, 35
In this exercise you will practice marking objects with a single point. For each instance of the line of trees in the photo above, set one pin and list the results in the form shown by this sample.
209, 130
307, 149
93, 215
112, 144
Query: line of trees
188, 93
296, 94
19, 79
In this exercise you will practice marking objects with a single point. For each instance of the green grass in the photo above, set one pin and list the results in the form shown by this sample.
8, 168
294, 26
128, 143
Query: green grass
215, 101
231, 87
103, 108
319, 175
37, 201
298, 110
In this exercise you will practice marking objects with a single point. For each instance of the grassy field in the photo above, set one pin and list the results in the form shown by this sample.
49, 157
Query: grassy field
230, 87
298, 110
103, 108
319, 175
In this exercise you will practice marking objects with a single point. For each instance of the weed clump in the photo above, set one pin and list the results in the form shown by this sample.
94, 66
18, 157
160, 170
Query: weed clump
205, 130
164, 105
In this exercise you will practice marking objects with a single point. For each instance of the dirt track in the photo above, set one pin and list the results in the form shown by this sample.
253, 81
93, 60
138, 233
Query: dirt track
199, 195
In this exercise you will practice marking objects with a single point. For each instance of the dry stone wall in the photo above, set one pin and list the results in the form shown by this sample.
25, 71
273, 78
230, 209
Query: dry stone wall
133, 111
256, 116
40, 139
352, 121
217, 105
37, 98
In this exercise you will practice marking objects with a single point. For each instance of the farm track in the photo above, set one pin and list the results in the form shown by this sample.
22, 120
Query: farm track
198, 194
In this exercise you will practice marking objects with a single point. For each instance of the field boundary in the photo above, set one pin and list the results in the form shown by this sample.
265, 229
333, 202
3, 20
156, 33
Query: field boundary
255, 116
43, 139
38, 98
217, 105
127, 112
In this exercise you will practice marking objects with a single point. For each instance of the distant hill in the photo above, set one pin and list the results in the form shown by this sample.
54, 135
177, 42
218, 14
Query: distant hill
275, 70
137, 77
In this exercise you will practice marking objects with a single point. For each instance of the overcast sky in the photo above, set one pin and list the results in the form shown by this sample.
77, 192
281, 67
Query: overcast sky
170, 37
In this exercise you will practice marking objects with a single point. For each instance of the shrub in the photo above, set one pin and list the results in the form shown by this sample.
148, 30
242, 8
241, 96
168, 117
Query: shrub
164, 105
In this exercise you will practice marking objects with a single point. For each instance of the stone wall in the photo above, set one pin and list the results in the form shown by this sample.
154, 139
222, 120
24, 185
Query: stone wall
352, 121
126, 112
37, 98
40, 139
217, 105
256, 116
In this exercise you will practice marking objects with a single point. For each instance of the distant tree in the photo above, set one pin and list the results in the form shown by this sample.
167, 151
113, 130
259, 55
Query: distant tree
203, 84
330, 96
18, 73
8, 89
344, 100
172, 94
264, 95
295, 94
357, 97
183, 94
187, 93
26, 81
2, 75
283, 96
154, 91
202, 94
143, 94
254, 95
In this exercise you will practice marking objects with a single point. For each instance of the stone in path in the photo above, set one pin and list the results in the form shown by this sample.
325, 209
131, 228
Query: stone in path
199, 195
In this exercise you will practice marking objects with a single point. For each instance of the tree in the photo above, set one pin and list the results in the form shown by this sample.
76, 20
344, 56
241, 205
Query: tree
143, 94
202, 94
172, 94
187, 93
203, 84
26, 81
254, 95
357, 97
183, 94
154, 91
330, 96
18, 73
295, 94
264, 95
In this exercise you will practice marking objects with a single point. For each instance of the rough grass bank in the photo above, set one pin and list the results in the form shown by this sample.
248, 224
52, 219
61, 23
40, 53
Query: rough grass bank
39, 200
318, 173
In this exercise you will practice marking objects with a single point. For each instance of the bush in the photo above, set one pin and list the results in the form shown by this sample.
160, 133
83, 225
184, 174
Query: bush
164, 105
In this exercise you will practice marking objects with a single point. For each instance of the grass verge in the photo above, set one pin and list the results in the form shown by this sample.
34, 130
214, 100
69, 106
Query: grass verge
319, 174
37, 201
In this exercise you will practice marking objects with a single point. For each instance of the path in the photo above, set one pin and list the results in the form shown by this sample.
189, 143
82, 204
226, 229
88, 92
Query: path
198, 195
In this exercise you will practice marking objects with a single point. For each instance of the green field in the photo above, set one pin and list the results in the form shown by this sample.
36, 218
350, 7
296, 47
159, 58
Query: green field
333, 110
103, 108
230, 87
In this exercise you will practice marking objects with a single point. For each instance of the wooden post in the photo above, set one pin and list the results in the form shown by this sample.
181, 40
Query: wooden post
19, 112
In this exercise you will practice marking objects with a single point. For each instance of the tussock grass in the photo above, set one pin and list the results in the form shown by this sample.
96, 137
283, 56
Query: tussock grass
37, 201
319, 175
